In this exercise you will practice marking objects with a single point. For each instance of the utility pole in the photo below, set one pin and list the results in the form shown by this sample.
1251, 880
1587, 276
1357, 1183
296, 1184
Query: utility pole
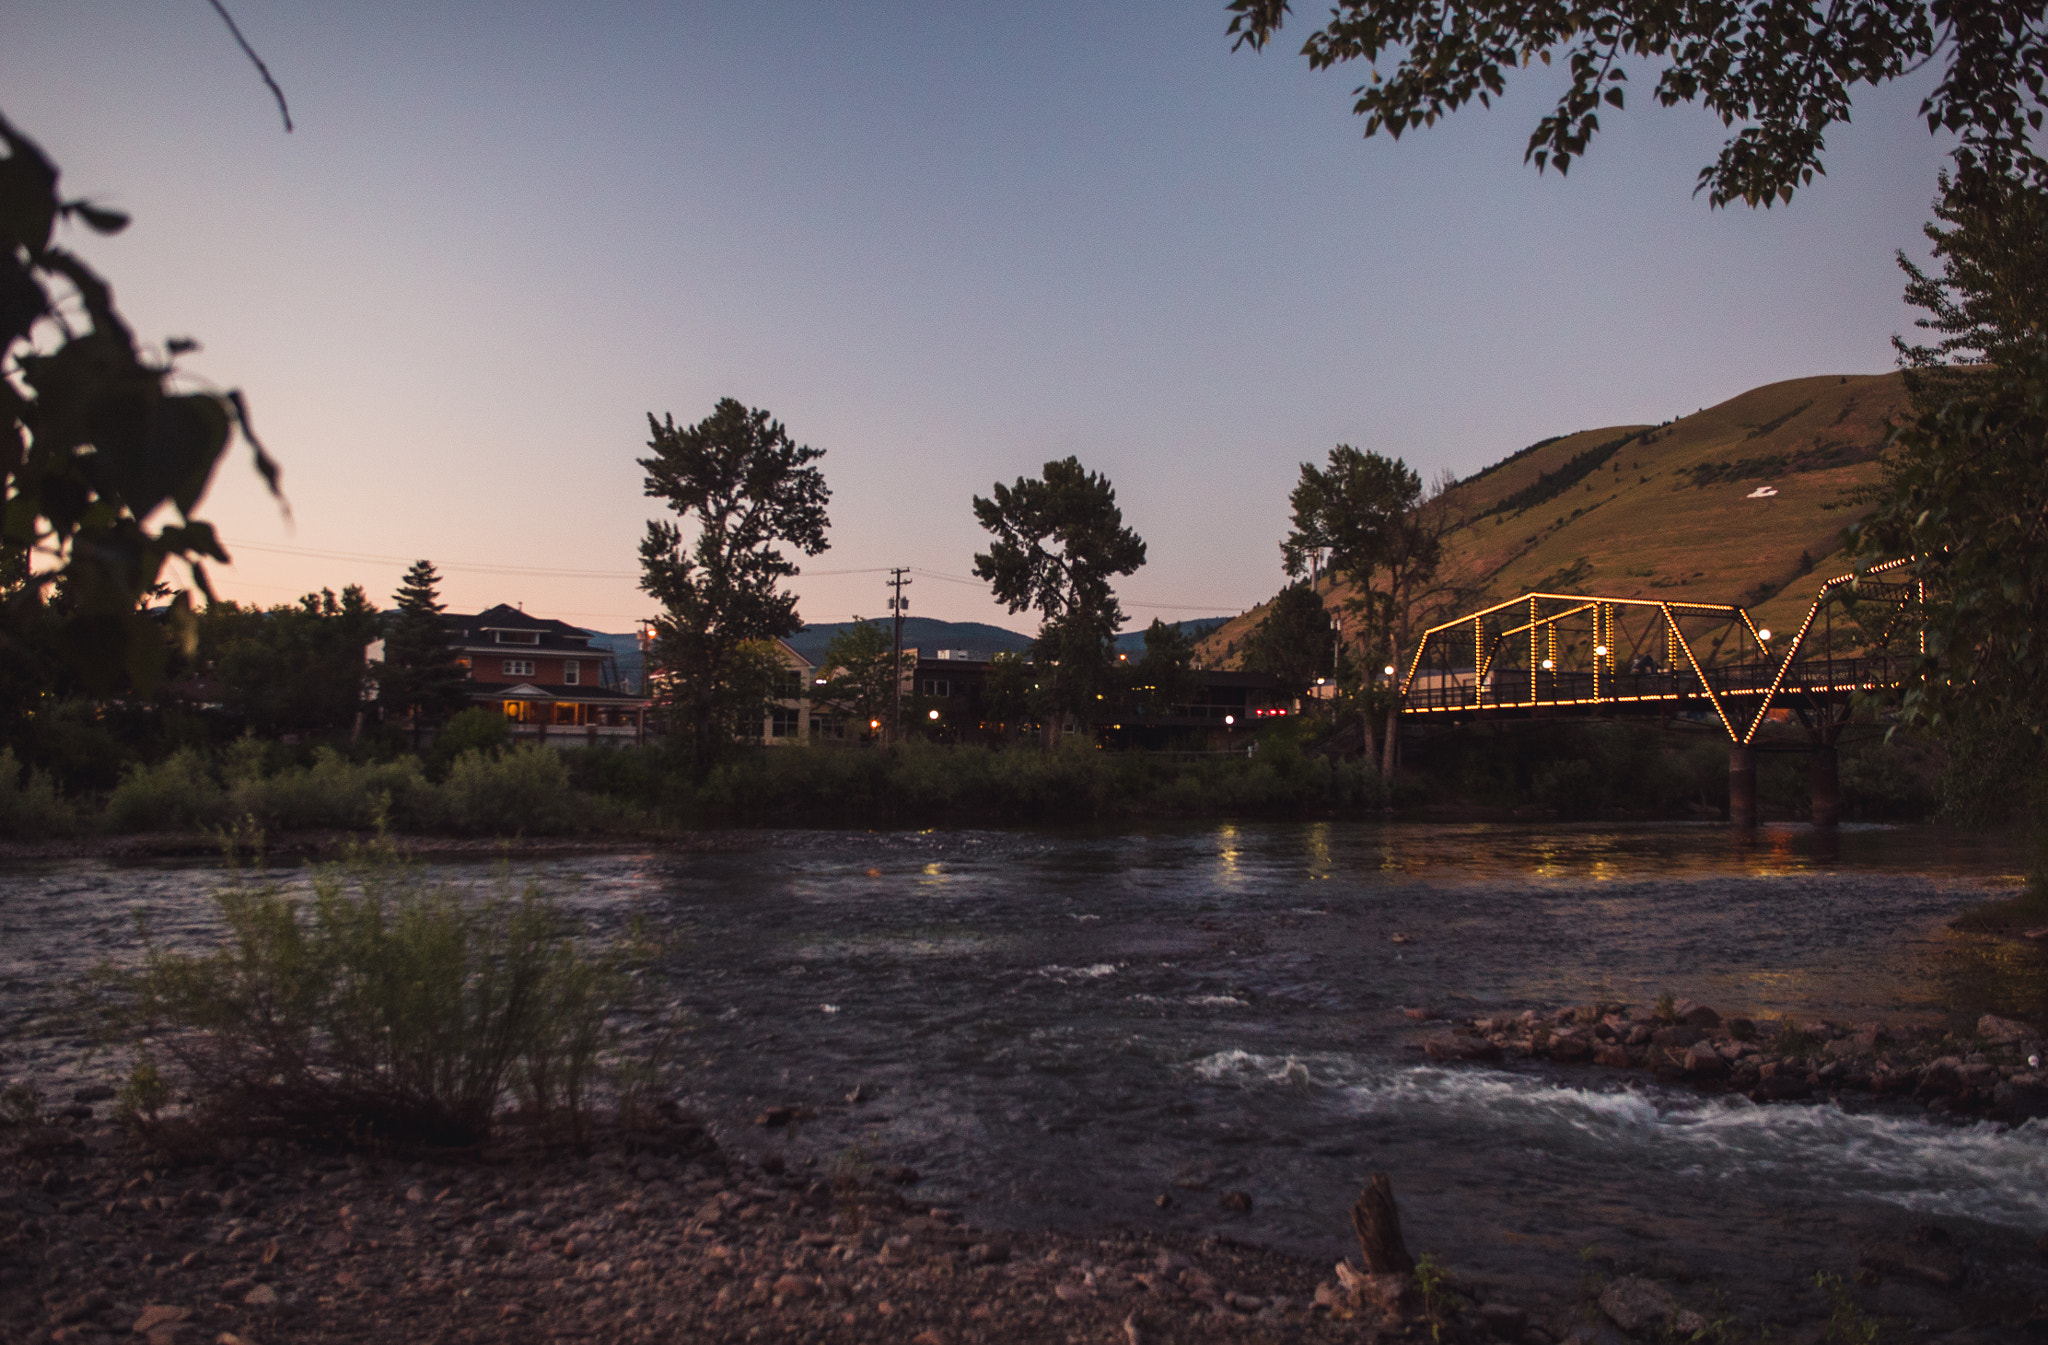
898, 605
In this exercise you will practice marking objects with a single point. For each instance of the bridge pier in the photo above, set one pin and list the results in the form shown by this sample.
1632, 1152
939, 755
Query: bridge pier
1823, 772
1742, 786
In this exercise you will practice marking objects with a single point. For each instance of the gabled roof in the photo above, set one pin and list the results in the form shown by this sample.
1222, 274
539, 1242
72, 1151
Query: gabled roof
480, 628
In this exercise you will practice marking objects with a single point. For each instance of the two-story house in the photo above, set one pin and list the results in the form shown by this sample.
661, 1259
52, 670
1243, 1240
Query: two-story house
546, 678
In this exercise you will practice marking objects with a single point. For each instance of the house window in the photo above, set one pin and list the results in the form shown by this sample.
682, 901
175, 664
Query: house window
518, 636
938, 687
782, 723
789, 684
518, 667
569, 672
565, 712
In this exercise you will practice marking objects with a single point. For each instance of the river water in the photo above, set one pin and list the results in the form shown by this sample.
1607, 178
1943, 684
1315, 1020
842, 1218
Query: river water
1059, 1028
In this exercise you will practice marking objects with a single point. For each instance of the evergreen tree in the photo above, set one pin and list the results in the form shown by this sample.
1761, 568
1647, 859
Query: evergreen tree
420, 679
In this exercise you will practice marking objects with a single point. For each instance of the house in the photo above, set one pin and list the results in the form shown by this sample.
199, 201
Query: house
786, 720
546, 678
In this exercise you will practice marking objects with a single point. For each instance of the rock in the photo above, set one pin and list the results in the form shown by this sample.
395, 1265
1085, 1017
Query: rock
900, 1175
1980, 1077
1697, 1015
791, 1287
1466, 1049
262, 1296
988, 1253
776, 1117
1929, 1264
1998, 1031
1676, 1037
1780, 1088
1570, 1048
157, 1315
1504, 1321
2035, 935
1237, 1202
1688, 1323
1941, 1079
2021, 1098
1612, 1056
1637, 1305
1703, 1061
1163, 1201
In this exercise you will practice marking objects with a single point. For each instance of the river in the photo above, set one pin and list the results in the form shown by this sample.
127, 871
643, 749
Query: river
1060, 1028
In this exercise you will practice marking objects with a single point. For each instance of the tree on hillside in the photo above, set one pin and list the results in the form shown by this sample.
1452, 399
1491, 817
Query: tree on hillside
420, 679
1293, 643
748, 489
1783, 70
97, 443
1060, 539
861, 673
1384, 537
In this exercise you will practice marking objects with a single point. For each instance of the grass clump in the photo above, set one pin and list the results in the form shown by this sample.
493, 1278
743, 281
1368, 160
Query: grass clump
381, 1012
30, 807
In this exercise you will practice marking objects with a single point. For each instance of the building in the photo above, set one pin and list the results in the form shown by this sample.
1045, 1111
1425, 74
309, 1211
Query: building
546, 678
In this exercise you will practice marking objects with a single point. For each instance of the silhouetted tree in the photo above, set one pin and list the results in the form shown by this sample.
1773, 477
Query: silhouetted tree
293, 669
1294, 643
1060, 539
748, 489
420, 679
861, 673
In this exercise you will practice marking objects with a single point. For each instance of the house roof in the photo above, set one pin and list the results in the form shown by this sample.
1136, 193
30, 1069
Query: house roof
480, 629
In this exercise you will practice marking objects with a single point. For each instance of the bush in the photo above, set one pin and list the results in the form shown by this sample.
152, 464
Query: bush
30, 807
524, 792
388, 1012
178, 793
334, 792
473, 730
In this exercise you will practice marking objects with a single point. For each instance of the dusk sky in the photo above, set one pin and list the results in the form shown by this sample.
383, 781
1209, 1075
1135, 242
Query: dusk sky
942, 242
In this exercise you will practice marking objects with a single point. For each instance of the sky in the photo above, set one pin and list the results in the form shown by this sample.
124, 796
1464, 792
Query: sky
943, 242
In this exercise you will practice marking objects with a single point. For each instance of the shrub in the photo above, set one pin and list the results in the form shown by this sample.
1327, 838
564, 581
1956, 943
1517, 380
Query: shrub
524, 792
30, 807
473, 730
333, 792
387, 1011
176, 794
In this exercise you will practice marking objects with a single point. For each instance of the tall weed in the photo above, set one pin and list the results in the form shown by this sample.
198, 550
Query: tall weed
30, 807
382, 1011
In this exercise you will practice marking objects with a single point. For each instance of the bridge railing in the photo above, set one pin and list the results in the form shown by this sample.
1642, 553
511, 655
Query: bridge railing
1507, 688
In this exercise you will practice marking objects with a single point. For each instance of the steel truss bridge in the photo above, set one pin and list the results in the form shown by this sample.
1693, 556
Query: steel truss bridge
1583, 655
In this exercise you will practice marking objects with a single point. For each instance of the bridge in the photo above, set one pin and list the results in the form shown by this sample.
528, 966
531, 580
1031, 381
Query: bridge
1582, 655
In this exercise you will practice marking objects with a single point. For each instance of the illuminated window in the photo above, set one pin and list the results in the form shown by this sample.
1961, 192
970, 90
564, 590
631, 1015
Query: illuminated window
518, 667
565, 713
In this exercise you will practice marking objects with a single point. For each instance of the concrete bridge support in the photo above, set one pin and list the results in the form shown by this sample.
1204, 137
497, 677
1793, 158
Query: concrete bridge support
1742, 786
1823, 772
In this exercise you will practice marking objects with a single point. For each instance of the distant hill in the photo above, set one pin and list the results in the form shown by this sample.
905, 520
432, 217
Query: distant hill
1743, 502
977, 638
625, 651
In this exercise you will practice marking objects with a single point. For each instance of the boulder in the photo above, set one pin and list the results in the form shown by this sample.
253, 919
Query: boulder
1461, 1049
1503, 1321
2023, 1097
1638, 1305
1996, 1031
1570, 1048
1697, 1015
1614, 1057
1940, 1079
1677, 1037
1703, 1061
1781, 1088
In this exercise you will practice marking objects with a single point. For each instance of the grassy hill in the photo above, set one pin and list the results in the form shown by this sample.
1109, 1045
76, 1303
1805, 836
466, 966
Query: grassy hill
1672, 510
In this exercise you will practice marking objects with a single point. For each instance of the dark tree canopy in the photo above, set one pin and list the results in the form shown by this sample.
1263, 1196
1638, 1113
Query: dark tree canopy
95, 443
1059, 541
292, 669
1784, 71
861, 671
1294, 641
748, 489
1164, 676
1965, 485
420, 678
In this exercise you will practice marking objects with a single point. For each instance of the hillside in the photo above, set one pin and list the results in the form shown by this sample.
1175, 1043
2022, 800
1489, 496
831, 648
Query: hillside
1673, 509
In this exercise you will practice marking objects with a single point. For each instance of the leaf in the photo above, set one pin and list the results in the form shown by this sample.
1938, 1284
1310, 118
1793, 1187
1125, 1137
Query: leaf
98, 218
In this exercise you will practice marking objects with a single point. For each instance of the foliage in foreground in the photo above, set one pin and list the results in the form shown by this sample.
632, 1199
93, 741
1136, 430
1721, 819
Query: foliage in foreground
382, 1011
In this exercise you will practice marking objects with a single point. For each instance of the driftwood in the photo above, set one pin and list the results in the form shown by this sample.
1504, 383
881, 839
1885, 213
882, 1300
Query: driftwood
1378, 1225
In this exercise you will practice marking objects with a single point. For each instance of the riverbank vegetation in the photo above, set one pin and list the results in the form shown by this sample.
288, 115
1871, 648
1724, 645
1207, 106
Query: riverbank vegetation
383, 1010
480, 787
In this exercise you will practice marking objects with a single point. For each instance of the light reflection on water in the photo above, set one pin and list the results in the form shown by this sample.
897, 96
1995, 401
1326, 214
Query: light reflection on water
1061, 1026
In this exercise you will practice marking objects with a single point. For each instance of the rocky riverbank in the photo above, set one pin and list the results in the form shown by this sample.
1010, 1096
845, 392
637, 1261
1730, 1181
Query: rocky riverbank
655, 1236
1993, 1071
